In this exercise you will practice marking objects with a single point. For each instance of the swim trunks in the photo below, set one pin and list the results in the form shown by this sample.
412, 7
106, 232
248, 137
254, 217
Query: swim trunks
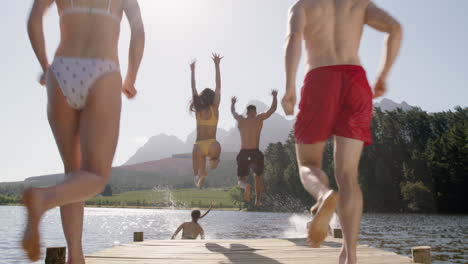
249, 159
335, 100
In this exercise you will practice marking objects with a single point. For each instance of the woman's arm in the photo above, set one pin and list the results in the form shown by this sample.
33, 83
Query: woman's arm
137, 46
211, 206
177, 231
192, 79
217, 60
36, 33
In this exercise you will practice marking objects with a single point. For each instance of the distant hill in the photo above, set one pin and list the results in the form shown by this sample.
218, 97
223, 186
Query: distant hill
275, 129
175, 172
389, 105
157, 162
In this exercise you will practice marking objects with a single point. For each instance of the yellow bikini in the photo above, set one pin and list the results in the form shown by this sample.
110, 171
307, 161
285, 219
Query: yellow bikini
204, 145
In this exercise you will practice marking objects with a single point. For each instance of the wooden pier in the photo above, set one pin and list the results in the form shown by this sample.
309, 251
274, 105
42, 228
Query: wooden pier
285, 251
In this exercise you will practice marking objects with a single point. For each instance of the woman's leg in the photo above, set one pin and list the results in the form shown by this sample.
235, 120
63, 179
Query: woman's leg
98, 126
214, 153
199, 166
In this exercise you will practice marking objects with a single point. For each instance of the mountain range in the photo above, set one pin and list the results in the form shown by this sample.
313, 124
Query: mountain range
275, 129
166, 160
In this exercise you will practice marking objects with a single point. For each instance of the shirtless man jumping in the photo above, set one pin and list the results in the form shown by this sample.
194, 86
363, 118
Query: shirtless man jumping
250, 157
336, 99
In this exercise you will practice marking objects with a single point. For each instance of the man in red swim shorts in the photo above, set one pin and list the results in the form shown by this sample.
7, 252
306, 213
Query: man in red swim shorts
336, 99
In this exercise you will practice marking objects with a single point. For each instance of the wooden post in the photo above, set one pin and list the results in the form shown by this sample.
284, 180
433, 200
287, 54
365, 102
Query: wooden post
337, 233
138, 237
421, 254
55, 255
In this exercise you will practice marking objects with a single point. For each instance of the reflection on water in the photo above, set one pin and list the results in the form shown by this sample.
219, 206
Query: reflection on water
104, 228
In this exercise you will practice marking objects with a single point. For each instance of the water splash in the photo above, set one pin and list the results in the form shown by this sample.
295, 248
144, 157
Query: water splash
168, 198
297, 226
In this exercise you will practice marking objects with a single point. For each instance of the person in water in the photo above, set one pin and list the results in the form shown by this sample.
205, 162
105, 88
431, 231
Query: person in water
206, 108
84, 86
336, 99
250, 157
192, 229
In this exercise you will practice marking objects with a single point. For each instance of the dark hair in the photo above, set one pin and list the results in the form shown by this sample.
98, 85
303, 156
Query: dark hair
202, 100
251, 107
196, 215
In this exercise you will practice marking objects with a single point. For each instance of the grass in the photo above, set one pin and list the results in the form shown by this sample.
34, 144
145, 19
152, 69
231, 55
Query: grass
164, 198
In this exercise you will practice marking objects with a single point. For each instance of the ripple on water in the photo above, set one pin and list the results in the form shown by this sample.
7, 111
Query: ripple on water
104, 228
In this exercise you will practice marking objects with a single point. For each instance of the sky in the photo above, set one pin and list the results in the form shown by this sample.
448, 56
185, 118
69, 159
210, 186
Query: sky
431, 71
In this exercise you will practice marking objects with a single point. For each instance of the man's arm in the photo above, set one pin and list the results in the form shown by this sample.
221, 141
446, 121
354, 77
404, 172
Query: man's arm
297, 23
177, 231
382, 21
36, 33
273, 106
233, 108
137, 45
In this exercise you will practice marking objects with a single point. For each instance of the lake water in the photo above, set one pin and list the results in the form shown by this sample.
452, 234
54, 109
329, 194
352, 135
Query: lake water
104, 228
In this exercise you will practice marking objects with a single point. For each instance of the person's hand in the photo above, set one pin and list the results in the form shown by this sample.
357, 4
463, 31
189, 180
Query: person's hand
274, 93
216, 57
234, 100
42, 77
193, 64
288, 102
380, 87
128, 88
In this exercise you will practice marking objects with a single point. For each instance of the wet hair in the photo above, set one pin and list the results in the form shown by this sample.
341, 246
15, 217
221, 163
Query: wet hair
196, 215
202, 100
251, 108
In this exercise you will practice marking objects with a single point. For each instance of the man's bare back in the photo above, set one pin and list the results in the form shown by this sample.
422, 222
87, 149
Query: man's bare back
250, 126
332, 30
250, 129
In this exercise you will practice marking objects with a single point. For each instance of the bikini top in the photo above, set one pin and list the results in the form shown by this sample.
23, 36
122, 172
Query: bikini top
213, 121
90, 10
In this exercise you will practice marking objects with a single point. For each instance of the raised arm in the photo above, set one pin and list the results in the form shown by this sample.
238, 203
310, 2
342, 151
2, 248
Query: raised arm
36, 34
211, 207
177, 231
297, 22
233, 108
273, 106
384, 22
137, 46
217, 60
193, 65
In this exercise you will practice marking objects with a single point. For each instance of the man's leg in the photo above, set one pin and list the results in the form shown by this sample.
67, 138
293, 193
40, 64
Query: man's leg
242, 182
309, 158
347, 155
258, 190
315, 181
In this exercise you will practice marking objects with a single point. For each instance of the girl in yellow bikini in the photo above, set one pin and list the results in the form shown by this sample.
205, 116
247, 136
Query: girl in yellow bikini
206, 108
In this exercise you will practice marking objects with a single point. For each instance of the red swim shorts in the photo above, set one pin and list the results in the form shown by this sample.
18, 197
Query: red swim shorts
335, 100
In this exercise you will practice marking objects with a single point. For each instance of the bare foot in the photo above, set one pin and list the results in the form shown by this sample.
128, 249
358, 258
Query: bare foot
314, 208
31, 238
319, 226
247, 192
195, 181
201, 181
342, 259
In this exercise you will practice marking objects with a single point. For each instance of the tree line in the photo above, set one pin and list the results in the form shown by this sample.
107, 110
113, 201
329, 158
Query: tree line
417, 163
